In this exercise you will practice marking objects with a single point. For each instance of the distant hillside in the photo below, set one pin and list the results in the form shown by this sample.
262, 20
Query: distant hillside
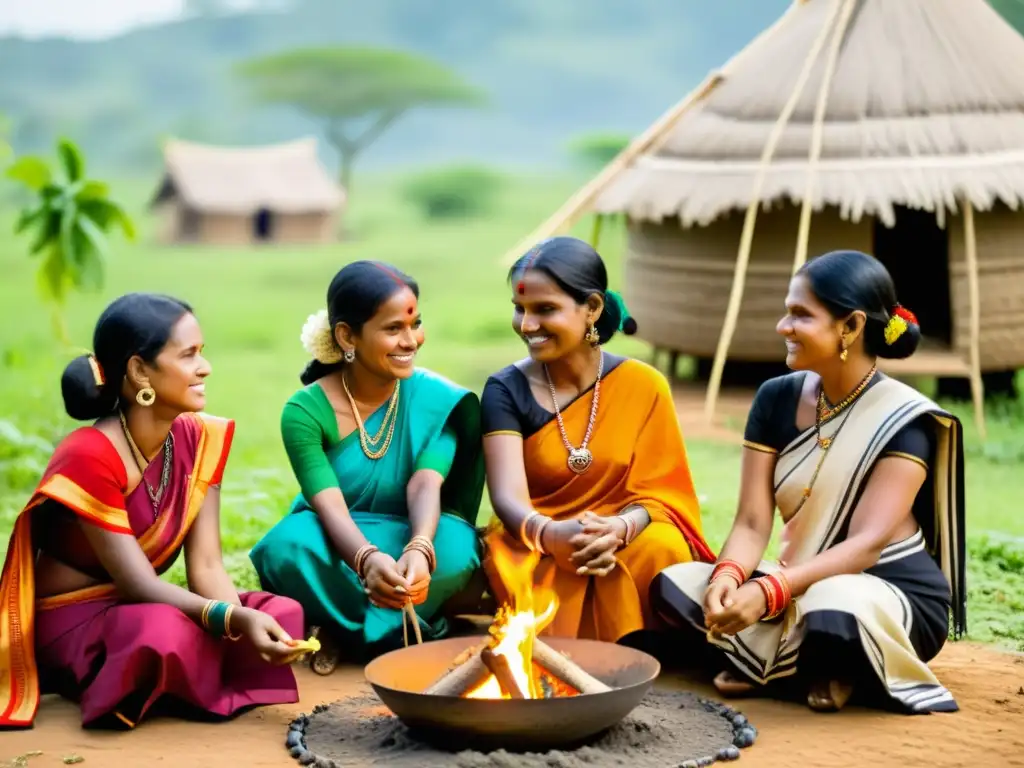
553, 69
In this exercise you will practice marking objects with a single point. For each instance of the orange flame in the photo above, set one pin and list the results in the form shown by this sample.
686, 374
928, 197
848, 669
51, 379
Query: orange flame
516, 625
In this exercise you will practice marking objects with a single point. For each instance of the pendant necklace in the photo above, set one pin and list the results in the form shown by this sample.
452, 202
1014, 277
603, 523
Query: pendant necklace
155, 494
580, 458
823, 413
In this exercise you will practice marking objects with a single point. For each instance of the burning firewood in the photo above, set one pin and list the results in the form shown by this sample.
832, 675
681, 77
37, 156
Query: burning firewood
500, 668
467, 671
565, 669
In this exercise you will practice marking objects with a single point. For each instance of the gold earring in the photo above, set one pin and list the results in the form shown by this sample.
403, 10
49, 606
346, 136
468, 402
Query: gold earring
592, 337
146, 397
843, 354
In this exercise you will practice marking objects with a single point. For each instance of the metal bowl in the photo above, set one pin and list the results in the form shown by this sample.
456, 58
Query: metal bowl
400, 677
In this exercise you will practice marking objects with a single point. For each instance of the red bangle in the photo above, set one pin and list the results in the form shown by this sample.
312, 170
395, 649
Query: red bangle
729, 568
777, 594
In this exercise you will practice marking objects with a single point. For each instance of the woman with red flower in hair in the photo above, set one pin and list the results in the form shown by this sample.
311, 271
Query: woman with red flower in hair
867, 474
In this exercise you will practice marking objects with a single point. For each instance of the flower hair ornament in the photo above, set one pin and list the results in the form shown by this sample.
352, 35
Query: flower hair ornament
900, 319
318, 339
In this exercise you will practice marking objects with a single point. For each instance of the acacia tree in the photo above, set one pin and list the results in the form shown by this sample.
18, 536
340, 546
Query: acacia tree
358, 92
70, 218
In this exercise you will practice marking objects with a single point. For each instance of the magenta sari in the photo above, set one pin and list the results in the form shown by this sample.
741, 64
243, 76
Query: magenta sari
123, 660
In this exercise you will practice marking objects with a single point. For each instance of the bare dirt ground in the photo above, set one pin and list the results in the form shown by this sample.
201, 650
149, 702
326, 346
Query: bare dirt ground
988, 730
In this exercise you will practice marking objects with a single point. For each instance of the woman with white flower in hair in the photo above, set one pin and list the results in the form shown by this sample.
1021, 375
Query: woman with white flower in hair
389, 463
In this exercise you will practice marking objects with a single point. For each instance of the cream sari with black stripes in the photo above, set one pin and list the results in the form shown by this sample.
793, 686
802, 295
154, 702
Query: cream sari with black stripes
769, 650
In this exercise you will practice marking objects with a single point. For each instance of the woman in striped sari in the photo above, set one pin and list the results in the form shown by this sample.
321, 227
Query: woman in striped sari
867, 474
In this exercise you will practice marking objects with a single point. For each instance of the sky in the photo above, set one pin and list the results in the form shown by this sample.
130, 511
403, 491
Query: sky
82, 18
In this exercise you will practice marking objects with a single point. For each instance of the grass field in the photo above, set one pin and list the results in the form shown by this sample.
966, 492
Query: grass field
252, 304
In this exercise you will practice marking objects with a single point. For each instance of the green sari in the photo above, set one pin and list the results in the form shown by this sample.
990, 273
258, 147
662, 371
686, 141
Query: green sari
437, 427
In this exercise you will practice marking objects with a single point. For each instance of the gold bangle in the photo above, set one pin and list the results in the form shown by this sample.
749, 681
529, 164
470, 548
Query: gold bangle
227, 624
204, 617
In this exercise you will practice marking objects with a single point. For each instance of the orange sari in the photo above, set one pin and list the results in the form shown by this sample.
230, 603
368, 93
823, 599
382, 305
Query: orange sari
638, 458
80, 476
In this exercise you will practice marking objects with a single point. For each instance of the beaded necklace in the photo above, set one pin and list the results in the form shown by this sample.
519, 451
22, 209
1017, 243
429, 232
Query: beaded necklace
824, 413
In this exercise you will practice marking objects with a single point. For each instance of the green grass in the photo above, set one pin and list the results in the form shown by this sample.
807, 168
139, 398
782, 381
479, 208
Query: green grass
252, 304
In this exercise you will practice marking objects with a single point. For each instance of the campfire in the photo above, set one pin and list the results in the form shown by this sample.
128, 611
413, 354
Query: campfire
513, 663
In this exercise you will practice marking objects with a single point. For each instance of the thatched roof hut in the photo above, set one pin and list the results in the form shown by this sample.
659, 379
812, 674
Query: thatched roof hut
279, 193
881, 125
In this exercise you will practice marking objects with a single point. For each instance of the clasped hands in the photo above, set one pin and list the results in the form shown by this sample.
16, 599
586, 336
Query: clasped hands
585, 545
392, 583
729, 608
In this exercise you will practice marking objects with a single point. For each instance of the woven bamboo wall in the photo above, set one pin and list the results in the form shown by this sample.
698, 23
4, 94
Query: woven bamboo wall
677, 281
1000, 237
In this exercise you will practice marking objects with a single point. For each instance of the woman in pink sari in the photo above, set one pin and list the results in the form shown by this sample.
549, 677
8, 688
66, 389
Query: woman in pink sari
84, 611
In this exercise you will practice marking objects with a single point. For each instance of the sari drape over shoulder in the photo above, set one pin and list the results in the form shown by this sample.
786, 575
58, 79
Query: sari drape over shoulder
73, 636
437, 427
888, 607
639, 458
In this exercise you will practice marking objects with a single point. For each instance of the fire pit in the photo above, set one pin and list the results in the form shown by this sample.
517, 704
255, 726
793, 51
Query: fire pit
413, 685
565, 702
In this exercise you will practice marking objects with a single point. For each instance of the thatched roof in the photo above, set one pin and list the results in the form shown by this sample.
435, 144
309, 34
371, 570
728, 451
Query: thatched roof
926, 104
284, 178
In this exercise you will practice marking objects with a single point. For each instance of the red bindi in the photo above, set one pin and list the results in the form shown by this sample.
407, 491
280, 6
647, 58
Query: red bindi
408, 311
521, 288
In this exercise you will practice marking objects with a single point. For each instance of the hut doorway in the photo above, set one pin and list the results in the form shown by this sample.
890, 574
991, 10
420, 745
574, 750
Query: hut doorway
263, 225
916, 253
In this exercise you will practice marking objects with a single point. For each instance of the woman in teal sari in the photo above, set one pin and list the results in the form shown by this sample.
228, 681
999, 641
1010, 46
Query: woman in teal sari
390, 469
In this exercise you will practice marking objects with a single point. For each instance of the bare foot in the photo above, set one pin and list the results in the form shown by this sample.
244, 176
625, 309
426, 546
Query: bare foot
829, 695
324, 661
731, 686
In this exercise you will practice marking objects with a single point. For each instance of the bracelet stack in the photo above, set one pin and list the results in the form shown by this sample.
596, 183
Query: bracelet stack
632, 528
531, 531
216, 618
729, 569
777, 594
425, 547
359, 561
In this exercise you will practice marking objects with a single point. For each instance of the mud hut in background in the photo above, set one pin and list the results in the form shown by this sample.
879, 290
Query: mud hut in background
243, 195
869, 124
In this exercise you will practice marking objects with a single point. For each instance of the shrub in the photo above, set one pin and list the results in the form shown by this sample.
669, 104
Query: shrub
454, 192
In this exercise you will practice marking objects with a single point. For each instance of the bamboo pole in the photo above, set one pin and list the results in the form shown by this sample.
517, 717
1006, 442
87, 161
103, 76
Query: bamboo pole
818, 132
595, 233
747, 236
974, 293
650, 140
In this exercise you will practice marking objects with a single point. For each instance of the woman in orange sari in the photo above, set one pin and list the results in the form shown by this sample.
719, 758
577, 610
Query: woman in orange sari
84, 611
586, 465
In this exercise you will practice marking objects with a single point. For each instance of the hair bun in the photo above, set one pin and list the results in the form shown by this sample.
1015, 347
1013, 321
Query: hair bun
900, 335
629, 326
84, 400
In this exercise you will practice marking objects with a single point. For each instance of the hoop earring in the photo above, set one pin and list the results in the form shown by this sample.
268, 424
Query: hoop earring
349, 356
146, 397
592, 337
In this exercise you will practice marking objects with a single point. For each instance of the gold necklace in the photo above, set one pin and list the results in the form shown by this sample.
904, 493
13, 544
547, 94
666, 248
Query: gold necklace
388, 422
580, 458
823, 414
155, 494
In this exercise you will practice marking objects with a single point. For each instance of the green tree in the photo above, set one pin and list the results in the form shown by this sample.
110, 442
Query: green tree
69, 220
595, 150
358, 92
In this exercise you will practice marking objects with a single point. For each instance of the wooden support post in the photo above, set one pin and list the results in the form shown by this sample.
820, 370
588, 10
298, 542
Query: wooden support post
747, 237
817, 134
974, 293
